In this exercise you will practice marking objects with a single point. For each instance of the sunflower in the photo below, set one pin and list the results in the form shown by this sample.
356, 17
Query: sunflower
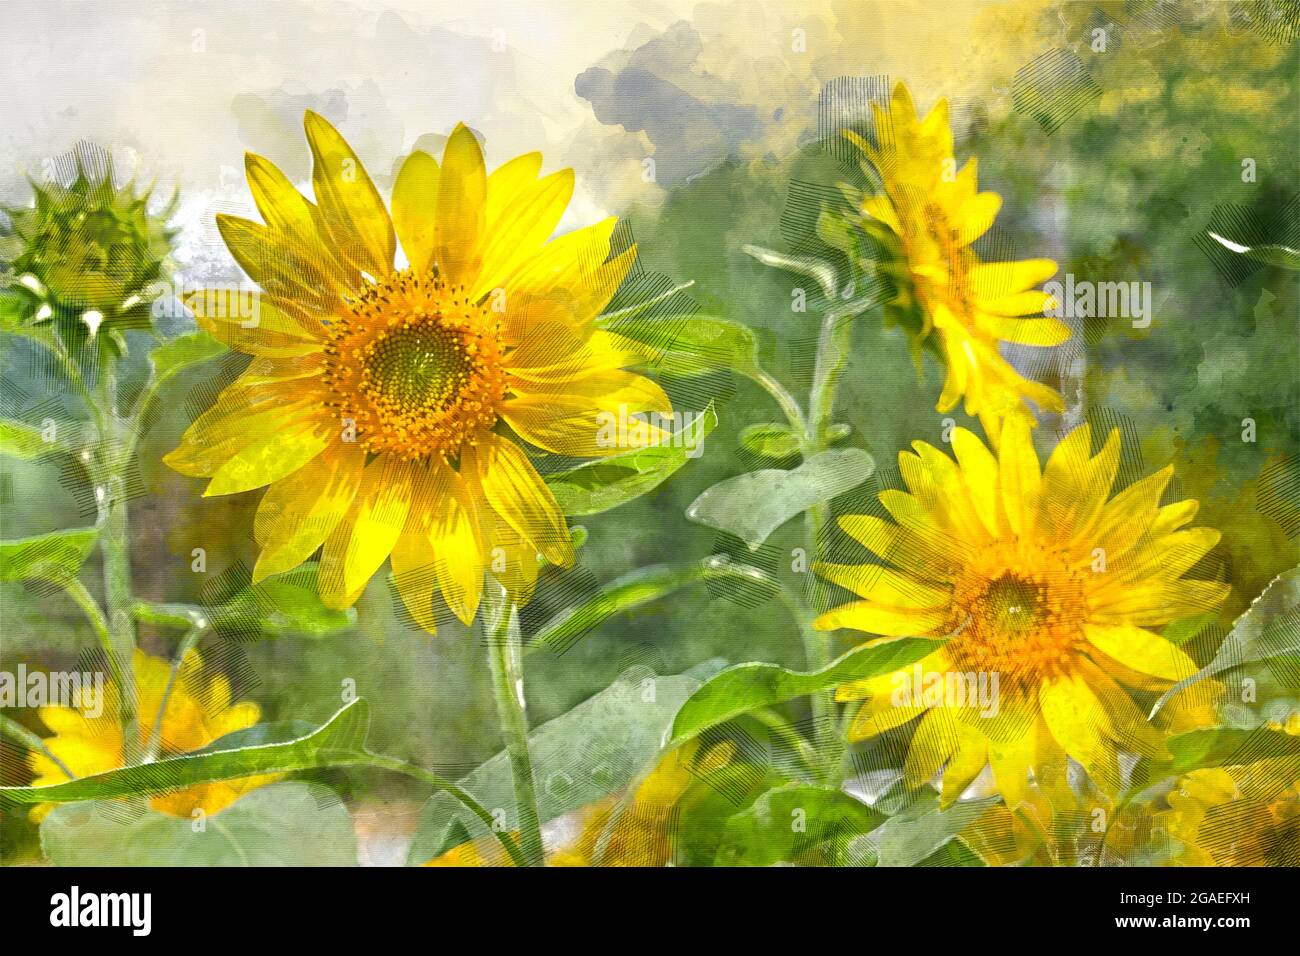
389, 406
1246, 815
1045, 593
199, 710
957, 305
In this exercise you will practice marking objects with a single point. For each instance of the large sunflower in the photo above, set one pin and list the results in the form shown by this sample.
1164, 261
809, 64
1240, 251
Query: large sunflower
1047, 594
385, 404
956, 304
199, 710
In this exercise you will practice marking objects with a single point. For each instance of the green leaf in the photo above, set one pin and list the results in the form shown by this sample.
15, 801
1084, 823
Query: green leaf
57, 555
339, 742
793, 821
1274, 255
282, 824
609, 482
916, 833
180, 353
770, 439
19, 440
1270, 628
285, 604
578, 758
753, 505
636, 589
689, 345
1228, 746
746, 687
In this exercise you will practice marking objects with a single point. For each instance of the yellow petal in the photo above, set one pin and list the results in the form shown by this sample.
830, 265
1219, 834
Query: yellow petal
933, 743
517, 493
1018, 477
280, 265
350, 205
997, 280
901, 548
300, 511
269, 459
522, 227
252, 324
415, 208
883, 620
980, 475
884, 586
462, 197
1079, 724
366, 536
1141, 650
1040, 332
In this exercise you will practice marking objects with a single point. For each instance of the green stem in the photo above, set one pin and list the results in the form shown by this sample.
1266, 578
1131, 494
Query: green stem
188, 643
20, 734
79, 593
505, 655
114, 541
789, 406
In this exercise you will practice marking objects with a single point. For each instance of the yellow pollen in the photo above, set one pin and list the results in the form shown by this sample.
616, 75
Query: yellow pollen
1019, 614
415, 367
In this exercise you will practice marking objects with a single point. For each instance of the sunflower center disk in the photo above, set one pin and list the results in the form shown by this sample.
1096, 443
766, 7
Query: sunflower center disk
415, 368
1023, 622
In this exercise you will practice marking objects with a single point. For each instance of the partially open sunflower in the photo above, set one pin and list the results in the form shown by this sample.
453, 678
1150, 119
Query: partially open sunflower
960, 306
390, 408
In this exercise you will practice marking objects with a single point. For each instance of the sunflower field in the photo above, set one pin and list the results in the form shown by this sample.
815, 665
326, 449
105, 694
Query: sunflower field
758, 433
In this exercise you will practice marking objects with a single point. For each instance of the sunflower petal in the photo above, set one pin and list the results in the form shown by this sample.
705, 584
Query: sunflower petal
415, 208
350, 205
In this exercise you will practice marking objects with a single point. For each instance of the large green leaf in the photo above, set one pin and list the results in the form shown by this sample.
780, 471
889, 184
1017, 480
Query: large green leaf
339, 742
600, 485
1270, 628
287, 603
791, 821
636, 589
578, 758
172, 358
283, 824
57, 555
689, 345
753, 505
747, 687
917, 832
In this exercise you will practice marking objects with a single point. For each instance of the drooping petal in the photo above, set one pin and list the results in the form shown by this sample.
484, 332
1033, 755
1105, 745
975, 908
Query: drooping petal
365, 537
517, 493
300, 511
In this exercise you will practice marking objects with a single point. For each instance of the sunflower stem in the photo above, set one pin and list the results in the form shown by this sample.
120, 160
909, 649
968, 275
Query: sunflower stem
505, 655
114, 542
832, 354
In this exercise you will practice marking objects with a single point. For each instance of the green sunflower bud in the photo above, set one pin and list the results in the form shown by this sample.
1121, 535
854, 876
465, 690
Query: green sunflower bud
88, 257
